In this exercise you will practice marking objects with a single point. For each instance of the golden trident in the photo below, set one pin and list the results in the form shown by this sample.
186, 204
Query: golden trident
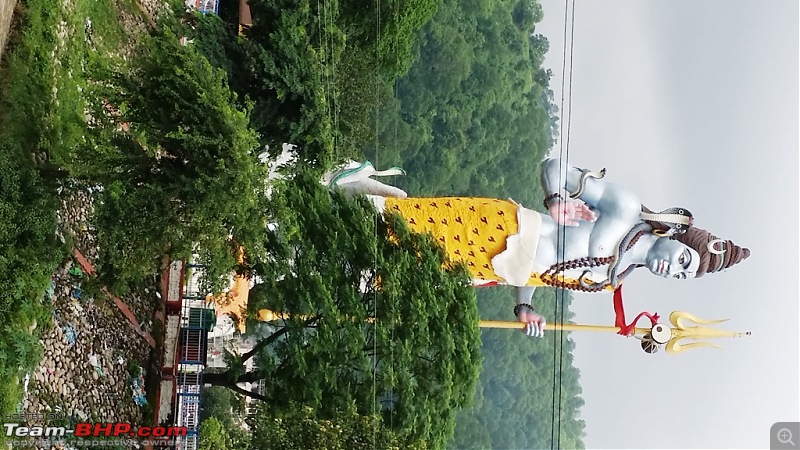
660, 333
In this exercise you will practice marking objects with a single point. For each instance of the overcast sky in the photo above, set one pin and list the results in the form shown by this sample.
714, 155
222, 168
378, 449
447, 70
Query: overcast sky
694, 104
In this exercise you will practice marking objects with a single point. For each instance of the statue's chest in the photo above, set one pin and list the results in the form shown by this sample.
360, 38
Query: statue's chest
595, 239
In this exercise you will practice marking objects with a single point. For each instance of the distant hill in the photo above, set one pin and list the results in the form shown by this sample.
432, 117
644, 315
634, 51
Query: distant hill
475, 116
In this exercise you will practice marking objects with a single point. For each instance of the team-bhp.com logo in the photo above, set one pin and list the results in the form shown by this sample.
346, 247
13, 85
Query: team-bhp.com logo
85, 429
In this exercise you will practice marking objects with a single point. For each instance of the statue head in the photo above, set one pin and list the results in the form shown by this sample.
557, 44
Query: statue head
669, 258
713, 254
690, 254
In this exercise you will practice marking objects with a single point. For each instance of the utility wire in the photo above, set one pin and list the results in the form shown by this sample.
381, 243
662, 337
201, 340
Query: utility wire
559, 313
375, 256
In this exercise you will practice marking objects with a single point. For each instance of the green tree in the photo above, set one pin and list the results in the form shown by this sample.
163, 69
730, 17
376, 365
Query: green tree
289, 64
315, 71
213, 435
300, 429
472, 115
29, 254
178, 163
333, 264
228, 408
223, 404
29, 248
387, 29
514, 405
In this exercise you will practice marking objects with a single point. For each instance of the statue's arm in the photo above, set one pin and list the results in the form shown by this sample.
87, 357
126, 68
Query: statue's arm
560, 178
524, 294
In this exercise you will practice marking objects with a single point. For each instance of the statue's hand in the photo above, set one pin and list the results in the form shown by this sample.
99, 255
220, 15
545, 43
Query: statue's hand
569, 212
535, 323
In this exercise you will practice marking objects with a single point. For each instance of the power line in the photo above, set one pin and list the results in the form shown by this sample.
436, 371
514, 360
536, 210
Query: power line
559, 314
375, 255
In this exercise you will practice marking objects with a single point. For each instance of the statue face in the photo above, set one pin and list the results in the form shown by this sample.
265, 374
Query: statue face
669, 258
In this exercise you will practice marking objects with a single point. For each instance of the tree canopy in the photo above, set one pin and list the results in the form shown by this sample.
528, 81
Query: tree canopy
299, 428
334, 266
177, 160
227, 408
213, 435
514, 402
315, 71
473, 114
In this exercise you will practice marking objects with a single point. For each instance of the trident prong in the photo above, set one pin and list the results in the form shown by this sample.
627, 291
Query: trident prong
682, 330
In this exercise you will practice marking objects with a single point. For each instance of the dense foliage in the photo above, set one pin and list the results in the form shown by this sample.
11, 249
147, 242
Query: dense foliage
315, 71
225, 408
29, 253
472, 116
213, 435
333, 265
514, 403
299, 428
29, 248
178, 163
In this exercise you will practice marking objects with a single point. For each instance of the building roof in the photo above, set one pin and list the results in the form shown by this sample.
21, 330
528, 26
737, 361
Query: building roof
244, 14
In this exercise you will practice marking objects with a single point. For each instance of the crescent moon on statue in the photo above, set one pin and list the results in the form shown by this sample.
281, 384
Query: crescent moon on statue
713, 248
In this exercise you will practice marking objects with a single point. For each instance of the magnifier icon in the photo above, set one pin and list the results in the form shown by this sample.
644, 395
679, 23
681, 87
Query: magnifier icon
785, 436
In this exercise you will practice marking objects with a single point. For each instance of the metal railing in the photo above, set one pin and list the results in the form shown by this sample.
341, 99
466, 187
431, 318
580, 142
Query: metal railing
196, 321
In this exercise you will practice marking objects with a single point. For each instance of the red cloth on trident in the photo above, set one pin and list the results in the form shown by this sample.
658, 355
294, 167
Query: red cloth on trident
619, 311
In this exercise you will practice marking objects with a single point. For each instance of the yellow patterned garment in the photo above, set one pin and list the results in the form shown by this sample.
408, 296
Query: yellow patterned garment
473, 230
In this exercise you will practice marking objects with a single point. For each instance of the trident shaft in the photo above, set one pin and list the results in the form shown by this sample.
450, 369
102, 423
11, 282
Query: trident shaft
684, 326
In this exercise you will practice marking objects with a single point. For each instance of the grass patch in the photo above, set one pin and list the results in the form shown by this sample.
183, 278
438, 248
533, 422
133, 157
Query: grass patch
29, 250
49, 63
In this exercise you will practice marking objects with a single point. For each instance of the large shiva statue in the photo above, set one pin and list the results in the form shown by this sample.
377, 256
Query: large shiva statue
594, 235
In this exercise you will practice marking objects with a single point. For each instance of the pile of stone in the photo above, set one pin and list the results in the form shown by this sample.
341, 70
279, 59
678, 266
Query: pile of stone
90, 350
74, 214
